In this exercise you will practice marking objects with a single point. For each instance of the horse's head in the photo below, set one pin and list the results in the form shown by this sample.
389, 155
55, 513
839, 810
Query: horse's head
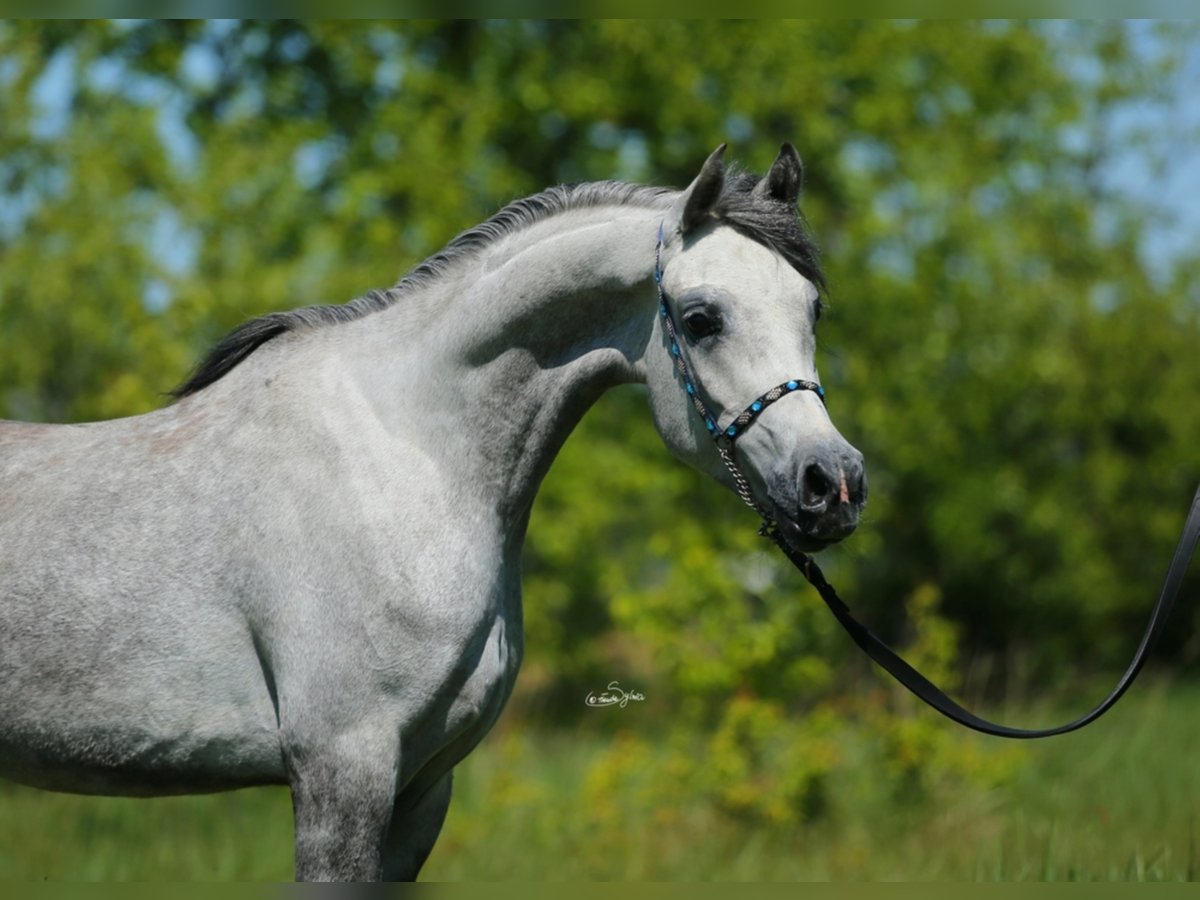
740, 285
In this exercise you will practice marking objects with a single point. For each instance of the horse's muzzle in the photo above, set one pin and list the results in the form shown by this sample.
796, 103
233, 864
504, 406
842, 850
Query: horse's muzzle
830, 495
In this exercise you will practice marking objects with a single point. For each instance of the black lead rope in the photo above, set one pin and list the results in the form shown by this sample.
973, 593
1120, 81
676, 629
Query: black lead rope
881, 653
923, 688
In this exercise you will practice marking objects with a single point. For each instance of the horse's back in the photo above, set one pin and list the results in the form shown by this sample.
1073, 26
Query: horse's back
127, 664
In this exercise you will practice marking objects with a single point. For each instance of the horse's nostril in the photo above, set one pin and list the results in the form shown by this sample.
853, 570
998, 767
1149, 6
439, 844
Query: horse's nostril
818, 487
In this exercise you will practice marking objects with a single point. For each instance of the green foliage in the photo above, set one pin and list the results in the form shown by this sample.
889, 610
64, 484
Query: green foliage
1114, 803
1016, 374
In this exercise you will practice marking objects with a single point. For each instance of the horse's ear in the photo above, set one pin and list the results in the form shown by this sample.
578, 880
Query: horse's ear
782, 182
700, 197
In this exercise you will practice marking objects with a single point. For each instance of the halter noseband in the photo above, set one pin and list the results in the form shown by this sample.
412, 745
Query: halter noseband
723, 435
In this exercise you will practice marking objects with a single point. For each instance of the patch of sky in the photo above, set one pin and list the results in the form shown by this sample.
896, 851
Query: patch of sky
10, 68
200, 67
633, 157
1026, 176
633, 154
388, 46
989, 199
389, 75
1159, 169
172, 245
52, 93
892, 202
739, 127
295, 46
311, 160
957, 100
1104, 297
894, 258
255, 42
156, 295
863, 155
604, 135
111, 76
21, 203
182, 146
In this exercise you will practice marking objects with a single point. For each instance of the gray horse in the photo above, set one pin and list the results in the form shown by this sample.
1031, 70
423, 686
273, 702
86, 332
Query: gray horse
306, 570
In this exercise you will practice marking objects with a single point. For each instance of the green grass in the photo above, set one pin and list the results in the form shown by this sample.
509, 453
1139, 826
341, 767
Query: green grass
1114, 802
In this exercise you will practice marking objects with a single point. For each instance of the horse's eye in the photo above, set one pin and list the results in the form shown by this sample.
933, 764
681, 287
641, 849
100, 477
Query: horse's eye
700, 324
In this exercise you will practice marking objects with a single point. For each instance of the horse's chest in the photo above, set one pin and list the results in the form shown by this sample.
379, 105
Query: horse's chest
448, 650
453, 670
489, 671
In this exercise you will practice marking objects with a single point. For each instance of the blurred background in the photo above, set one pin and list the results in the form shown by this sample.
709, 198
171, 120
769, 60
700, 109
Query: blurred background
1008, 218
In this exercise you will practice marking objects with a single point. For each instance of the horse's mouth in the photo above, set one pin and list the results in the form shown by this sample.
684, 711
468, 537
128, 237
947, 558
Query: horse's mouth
811, 534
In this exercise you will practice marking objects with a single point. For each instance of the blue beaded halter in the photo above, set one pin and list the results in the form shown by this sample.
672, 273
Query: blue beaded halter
723, 435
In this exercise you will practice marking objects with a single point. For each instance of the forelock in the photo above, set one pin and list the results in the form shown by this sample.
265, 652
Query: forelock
778, 225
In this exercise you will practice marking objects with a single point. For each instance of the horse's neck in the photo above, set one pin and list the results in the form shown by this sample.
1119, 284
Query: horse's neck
517, 342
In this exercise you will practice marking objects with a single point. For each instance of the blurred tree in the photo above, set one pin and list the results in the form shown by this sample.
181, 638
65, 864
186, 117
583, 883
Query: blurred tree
1017, 376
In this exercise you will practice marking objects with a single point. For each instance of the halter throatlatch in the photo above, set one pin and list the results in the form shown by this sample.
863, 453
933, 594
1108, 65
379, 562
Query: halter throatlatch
881, 653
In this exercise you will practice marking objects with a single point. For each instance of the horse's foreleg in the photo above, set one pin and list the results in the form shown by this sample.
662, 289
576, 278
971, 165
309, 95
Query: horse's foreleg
342, 795
416, 823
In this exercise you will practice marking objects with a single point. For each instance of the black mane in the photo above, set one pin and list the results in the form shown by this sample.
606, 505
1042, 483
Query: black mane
768, 222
